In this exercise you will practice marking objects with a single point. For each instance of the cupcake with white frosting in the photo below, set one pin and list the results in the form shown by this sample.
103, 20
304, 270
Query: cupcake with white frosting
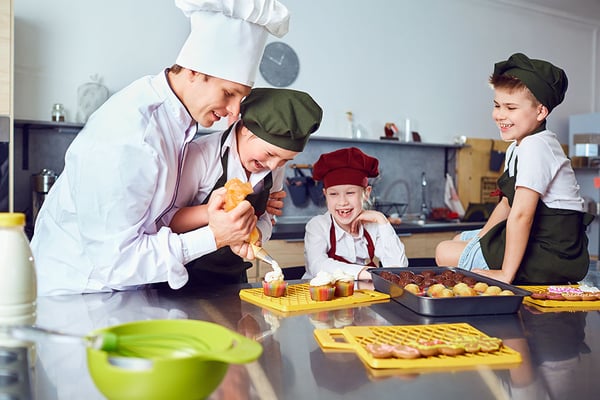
273, 284
344, 283
322, 287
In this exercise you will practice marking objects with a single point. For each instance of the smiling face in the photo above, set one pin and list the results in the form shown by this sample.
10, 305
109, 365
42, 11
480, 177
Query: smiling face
345, 202
258, 155
208, 99
517, 113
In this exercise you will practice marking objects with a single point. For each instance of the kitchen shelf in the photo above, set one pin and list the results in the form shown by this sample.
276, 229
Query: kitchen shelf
389, 142
35, 124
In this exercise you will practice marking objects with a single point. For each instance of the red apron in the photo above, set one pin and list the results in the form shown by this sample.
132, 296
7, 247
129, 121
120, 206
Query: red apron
332, 244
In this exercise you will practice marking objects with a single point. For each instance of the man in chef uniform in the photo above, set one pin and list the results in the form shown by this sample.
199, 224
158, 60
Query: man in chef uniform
103, 225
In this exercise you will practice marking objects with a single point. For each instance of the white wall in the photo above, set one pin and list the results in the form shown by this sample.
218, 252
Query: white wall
385, 60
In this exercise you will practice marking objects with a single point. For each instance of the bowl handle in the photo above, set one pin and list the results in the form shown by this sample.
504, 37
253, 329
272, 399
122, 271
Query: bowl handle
243, 350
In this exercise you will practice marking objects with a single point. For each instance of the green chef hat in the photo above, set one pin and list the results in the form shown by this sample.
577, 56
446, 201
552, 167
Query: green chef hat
282, 117
547, 82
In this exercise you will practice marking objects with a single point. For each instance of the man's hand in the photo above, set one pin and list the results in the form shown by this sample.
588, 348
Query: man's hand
230, 228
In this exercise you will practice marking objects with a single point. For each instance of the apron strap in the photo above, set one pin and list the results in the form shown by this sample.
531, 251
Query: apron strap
332, 242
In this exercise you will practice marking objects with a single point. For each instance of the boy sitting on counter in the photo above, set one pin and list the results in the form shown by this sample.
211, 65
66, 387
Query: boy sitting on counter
537, 232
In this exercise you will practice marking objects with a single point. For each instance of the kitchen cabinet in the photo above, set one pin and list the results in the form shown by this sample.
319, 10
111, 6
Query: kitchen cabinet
422, 245
6, 59
474, 179
6, 105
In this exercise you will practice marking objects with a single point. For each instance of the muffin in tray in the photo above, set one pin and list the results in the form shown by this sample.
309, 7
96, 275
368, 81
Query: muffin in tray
275, 288
273, 284
344, 283
322, 287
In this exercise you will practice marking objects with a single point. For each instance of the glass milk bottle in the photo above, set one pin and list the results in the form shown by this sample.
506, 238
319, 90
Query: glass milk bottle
18, 285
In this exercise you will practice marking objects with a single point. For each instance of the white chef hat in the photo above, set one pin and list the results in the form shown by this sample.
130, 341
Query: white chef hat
228, 37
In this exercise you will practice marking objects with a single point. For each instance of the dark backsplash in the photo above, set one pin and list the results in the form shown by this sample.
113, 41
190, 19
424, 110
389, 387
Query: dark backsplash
401, 165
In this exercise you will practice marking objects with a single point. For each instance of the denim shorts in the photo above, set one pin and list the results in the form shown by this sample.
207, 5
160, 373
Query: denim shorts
472, 256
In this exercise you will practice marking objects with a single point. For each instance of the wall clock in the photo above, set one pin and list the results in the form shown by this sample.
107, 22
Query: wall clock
279, 65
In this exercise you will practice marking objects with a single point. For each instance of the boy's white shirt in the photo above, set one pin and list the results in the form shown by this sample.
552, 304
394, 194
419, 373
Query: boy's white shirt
544, 167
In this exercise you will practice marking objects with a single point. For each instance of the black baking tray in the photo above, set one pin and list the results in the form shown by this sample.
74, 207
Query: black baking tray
450, 306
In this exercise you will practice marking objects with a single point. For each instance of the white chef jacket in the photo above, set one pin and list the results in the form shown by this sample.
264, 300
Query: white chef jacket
202, 168
388, 247
100, 228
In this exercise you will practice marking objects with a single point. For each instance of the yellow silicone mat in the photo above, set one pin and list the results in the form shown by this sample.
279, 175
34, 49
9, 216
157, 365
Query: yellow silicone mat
558, 305
297, 299
356, 338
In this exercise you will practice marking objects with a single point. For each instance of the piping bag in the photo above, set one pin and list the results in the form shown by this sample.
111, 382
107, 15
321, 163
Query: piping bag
262, 255
237, 192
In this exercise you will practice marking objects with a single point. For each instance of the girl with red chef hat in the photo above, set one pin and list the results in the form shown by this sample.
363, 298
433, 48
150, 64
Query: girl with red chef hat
347, 236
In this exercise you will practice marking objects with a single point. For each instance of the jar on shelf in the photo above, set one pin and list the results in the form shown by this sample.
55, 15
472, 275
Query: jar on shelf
58, 113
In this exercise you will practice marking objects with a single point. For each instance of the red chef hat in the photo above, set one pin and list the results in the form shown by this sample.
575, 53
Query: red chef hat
348, 166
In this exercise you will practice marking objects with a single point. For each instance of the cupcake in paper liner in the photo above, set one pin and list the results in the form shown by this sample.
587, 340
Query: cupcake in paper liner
273, 284
322, 293
344, 283
321, 287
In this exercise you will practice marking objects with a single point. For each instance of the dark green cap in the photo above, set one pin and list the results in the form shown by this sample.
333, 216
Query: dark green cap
282, 117
547, 82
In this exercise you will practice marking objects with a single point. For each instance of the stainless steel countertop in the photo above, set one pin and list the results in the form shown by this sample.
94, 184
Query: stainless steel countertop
560, 351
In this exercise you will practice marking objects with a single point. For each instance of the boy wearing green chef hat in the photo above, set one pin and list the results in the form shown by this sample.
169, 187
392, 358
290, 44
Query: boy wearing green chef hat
274, 127
537, 232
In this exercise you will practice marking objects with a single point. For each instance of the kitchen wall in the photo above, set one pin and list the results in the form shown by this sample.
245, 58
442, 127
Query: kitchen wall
385, 60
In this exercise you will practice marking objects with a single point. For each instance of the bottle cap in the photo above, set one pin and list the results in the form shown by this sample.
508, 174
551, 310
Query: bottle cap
12, 219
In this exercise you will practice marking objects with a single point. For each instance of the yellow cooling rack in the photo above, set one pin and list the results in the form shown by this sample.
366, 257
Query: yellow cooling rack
297, 299
558, 305
356, 338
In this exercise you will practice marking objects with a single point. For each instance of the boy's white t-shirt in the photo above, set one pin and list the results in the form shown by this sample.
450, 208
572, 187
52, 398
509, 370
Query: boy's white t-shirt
543, 167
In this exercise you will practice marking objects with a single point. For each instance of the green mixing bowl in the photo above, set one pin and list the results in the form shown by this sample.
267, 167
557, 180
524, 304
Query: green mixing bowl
167, 359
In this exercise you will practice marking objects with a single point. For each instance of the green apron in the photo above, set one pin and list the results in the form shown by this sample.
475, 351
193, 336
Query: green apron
557, 250
223, 266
